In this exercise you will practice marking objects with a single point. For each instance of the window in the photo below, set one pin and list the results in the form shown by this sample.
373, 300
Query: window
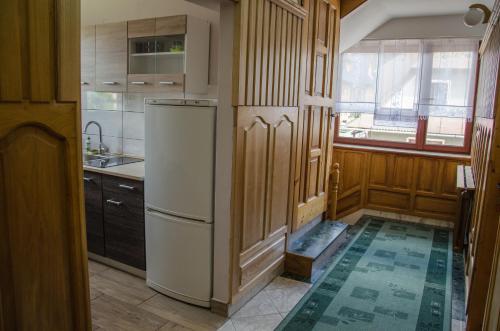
415, 94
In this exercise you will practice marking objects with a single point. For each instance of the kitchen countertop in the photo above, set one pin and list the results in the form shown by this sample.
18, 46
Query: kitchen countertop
133, 171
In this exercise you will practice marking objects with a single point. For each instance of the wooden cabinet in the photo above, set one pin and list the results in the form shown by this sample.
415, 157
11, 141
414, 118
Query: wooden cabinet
87, 53
111, 57
93, 212
124, 221
115, 218
141, 28
168, 55
154, 55
172, 25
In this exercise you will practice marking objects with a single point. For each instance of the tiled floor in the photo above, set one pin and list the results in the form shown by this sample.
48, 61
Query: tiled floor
123, 302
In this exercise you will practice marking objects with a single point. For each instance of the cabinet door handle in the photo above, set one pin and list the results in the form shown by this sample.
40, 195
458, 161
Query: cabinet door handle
113, 202
84, 83
167, 83
87, 179
138, 83
109, 83
126, 187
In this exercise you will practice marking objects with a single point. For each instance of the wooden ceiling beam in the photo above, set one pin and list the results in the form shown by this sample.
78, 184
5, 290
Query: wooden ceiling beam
347, 6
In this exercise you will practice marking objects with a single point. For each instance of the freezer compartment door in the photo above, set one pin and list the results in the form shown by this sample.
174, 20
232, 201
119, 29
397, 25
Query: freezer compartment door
180, 146
179, 257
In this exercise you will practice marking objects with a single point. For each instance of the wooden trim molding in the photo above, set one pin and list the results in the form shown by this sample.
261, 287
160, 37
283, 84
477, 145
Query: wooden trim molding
348, 6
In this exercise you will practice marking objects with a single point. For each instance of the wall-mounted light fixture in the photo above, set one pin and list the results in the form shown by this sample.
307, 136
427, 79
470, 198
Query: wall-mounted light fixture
477, 14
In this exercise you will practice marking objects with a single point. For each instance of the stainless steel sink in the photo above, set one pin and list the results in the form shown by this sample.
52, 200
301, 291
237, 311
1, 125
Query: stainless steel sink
107, 161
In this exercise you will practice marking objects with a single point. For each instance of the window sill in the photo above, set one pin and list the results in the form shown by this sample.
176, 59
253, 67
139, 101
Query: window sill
403, 151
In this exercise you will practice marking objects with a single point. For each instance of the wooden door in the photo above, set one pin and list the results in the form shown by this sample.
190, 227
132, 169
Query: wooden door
316, 104
111, 57
266, 110
43, 261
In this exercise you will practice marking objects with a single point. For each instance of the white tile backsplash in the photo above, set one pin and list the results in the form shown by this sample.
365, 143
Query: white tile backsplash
133, 125
110, 121
134, 102
102, 100
134, 147
121, 116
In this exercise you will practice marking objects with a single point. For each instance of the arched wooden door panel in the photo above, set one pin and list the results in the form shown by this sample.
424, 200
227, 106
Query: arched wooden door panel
43, 283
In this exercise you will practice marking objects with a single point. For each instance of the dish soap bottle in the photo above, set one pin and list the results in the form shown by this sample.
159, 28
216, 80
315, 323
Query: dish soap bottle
88, 147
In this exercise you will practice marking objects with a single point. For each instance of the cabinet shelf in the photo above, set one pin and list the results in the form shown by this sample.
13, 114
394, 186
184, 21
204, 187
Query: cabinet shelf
157, 53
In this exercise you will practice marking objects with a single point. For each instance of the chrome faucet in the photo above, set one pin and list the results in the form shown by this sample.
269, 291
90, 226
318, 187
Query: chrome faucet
102, 148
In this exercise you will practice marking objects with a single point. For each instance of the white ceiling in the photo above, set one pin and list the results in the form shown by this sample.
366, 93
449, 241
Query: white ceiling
374, 13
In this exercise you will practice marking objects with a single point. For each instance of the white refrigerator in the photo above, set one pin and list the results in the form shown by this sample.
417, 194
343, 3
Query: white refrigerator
179, 195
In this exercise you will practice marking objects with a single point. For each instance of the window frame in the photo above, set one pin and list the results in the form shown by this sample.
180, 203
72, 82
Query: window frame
421, 133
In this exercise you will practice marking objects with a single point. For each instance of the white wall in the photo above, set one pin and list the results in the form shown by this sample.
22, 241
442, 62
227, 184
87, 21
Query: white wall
224, 158
451, 26
107, 11
374, 13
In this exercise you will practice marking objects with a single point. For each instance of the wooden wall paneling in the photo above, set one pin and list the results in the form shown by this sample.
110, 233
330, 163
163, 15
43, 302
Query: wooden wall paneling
398, 182
351, 183
379, 172
250, 71
449, 178
485, 164
41, 194
282, 57
277, 56
265, 167
492, 311
267, 51
427, 175
266, 36
258, 52
271, 64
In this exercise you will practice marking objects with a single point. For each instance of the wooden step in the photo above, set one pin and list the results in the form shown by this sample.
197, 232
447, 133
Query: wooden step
309, 252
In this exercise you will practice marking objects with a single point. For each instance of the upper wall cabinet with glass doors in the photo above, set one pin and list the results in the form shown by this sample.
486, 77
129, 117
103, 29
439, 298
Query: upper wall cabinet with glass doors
165, 55
168, 54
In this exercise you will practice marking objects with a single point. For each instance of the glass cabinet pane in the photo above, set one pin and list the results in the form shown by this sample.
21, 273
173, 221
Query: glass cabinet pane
170, 54
142, 55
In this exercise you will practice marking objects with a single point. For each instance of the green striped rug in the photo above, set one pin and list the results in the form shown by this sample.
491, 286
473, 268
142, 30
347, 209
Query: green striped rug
392, 276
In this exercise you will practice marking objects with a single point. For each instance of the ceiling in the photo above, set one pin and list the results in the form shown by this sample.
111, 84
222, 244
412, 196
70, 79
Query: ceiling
374, 13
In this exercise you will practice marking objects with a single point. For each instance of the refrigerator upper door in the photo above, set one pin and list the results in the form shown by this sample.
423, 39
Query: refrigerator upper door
179, 257
180, 144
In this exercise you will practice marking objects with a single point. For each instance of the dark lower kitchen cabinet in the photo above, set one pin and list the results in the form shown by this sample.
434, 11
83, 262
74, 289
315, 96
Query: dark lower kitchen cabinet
121, 218
124, 220
94, 213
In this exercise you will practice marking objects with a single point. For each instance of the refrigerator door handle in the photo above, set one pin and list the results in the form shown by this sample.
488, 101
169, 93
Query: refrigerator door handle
174, 218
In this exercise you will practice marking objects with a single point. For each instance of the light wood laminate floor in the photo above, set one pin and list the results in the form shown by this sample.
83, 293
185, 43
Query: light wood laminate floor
120, 301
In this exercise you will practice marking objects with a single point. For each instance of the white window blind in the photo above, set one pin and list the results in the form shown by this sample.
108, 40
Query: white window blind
400, 80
